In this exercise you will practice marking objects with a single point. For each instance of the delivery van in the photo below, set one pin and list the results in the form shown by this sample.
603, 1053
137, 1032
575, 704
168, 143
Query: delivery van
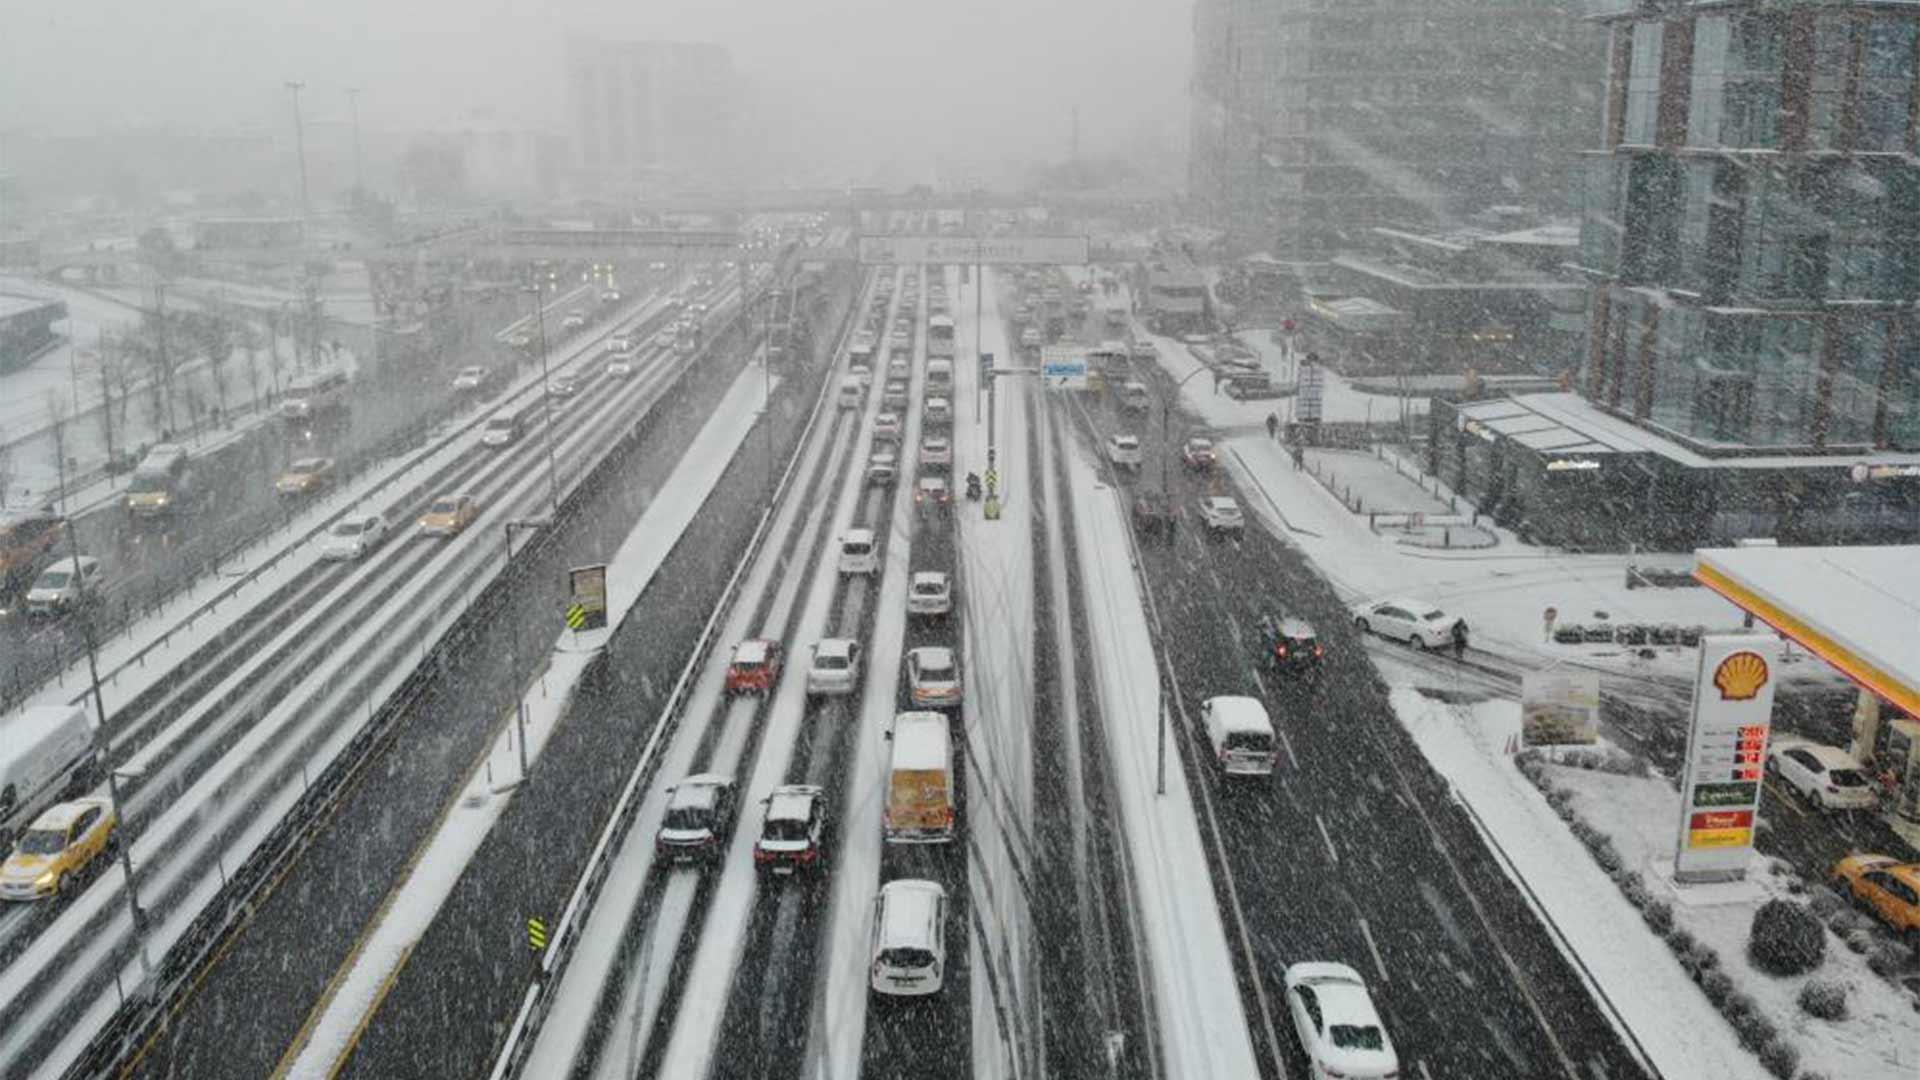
47, 753
920, 798
1241, 735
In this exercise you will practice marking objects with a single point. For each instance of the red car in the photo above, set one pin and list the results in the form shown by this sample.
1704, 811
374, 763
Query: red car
755, 667
1199, 453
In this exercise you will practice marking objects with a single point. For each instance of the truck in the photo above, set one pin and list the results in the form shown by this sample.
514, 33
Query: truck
47, 753
27, 539
921, 805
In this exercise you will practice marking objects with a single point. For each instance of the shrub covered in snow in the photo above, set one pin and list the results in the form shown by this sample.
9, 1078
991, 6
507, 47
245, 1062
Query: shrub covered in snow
1886, 958
1786, 939
1754, 1029
1781, 1058
1824, 999
1717, 985
1659, 915
1705, 957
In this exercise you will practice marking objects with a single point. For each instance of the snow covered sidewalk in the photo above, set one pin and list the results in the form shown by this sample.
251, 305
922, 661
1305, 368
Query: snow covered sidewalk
355, 991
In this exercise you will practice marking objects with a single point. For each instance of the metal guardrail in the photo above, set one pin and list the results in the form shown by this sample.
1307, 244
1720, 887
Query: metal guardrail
521, 1036
144, 1013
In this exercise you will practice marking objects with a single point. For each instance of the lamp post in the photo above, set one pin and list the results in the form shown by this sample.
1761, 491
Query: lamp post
300, 145
1166, 451
546, 396
513, 633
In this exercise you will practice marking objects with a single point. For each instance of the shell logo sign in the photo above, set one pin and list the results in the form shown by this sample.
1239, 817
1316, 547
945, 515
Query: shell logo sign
1740, 676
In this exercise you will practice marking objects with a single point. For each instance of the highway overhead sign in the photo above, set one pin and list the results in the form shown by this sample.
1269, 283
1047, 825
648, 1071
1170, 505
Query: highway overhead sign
1063, 367
991, 250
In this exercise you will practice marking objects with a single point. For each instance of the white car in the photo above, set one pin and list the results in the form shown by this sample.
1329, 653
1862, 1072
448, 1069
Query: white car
563, 385
622, 365
1338, 1027
353, 536
936, 450
861, 372
62, 586
938, 410
1222, 514
933, 678
575, 320
836, 667
1030, 338
1415, 622
887, 426
882, 467
1826, 777
930, 593
898, 368
469, 379
1124, 451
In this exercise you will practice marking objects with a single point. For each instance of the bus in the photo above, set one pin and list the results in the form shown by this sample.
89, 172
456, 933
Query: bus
940, 337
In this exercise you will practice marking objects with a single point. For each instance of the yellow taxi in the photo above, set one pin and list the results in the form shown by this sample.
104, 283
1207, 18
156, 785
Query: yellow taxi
1887, 887
304, 477
54, 852
449, 514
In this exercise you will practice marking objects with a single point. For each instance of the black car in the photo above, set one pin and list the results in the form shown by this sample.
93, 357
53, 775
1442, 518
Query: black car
1152, 513
1290, 643
699, 818
793, 833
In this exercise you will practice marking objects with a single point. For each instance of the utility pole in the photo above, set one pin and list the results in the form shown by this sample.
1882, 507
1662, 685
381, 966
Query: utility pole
166, 361
353, 103
546, 396
300, 148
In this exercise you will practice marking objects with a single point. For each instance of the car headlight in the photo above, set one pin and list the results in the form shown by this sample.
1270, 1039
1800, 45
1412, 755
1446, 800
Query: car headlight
44, 881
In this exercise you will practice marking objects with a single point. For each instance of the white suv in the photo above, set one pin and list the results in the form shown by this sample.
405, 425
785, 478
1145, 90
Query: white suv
1222, 514
931, 593
1124, 451
836, 667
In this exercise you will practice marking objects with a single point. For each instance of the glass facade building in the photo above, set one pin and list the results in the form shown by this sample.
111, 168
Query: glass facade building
1752, 223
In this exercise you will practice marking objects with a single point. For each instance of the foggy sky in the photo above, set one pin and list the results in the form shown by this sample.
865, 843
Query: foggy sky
1000, 76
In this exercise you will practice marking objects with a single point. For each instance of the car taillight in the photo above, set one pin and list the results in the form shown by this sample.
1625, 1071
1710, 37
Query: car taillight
1280, 651
761, 854
1319, 650
809, 854
946, 817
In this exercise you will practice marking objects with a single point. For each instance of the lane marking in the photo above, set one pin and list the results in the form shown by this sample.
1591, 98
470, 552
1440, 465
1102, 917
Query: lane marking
1328, 837
1422, 1063
1379, 964
1287, 745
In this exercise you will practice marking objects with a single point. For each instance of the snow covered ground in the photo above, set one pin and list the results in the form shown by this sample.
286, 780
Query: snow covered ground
468, 819
1636, 971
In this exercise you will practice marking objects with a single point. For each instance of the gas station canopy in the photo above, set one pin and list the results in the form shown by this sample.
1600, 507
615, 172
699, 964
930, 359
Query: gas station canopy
1857, 608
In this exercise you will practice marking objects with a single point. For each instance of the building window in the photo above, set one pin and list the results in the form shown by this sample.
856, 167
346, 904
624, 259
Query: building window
1643, 83
1886, 85
1676, 378
1735, 97
1860, 355
1903, 393
1785, 241
1655, 192
1760, 375
1826, 93
1710, 228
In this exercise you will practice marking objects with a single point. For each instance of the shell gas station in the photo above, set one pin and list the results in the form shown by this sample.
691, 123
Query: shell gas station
1858, 609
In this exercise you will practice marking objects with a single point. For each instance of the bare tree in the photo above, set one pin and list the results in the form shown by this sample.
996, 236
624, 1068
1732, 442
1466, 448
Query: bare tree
58, 409
103, 366
6, 466
250, 340
213, 333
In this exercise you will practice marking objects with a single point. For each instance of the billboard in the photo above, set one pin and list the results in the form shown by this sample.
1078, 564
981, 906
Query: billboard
1726, 756
1560, 708
1063, 367
990, 250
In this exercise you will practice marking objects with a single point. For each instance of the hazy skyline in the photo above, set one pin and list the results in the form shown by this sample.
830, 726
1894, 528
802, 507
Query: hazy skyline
992, 79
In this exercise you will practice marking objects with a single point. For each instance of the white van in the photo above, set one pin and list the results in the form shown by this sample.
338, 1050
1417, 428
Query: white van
47, 753
1241, 735
939, 376
920, 805
502, 428
853, 390
909, 949
859, 554
65, 584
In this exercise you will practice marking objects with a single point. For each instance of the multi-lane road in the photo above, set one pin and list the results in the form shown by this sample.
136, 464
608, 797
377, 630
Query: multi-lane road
1353, 852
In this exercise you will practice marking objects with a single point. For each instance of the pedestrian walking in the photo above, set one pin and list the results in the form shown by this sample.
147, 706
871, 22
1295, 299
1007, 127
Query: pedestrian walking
1273, 426
1460, 639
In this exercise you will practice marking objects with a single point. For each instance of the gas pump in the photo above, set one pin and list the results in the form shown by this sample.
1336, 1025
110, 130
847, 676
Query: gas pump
1903, 758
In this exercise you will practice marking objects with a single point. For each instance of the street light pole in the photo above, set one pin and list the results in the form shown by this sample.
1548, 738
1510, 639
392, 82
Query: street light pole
546, 398
513, 633
300, 146
353, 103
1166, 438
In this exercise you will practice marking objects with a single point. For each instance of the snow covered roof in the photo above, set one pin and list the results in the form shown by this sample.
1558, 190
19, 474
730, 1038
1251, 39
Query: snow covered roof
1857, 608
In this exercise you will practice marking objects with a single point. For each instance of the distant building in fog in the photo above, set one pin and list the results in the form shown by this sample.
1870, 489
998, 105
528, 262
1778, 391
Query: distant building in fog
643, 115
1315, 121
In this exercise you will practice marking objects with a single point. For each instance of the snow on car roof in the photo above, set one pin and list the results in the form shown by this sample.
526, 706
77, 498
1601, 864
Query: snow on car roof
833, 646
791, 803
930, 577
752, 651
61, 815
920, 740
1222, 502
1241, 713
700, 790
934, 656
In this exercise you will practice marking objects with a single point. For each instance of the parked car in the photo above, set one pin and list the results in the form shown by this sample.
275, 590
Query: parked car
55, 852
1288, 643
699, 818
1199, 454
1338, 1027
754, 667
353, 536
1222, 515
793, 831
933, 678
304, 477
836, 667
930, 593
1124, 451
449, 515
1419, 624
1153, 513
1825, 777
